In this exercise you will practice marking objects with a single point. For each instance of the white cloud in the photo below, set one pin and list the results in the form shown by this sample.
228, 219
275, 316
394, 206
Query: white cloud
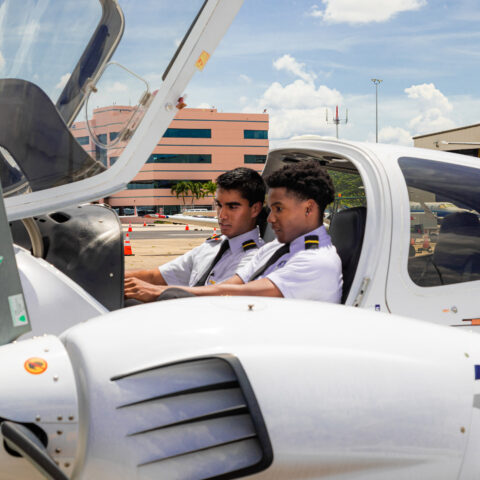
365, 11
204, 105
288, 63
117, 87
245, 78
433, 109
299, 94
395, 135
63, 80
297, 107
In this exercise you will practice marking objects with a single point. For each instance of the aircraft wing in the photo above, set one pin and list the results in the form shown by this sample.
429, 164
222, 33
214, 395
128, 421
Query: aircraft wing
185, 219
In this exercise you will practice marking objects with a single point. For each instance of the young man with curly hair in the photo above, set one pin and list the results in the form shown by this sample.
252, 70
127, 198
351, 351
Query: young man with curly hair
301, 263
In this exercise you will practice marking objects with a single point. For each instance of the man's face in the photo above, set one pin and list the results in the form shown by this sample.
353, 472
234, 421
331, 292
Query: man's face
287, 214
235, 215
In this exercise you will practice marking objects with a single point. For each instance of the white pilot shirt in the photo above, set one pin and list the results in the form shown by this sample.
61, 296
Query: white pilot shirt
189, 268
308, 271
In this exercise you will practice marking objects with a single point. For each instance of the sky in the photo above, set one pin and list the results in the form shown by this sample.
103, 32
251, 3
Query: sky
294, 58
298, 58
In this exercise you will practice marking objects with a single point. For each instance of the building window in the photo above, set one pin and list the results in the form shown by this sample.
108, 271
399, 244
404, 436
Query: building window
102, 138
83, 140
144, 184
254, 158
113, 160
113, 135
178, 158
188, 133
256, 134
101, 154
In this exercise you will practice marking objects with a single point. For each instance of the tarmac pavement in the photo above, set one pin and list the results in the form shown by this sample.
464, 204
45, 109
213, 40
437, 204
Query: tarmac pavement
157, 244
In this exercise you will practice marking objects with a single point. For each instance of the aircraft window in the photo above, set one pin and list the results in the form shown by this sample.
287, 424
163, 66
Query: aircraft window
12, 178
444, 222
349, 191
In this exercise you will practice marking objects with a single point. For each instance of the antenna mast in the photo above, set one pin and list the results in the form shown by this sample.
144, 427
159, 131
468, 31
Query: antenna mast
337, 120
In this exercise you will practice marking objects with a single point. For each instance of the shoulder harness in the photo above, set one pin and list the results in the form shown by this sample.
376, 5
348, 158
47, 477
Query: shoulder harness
249, 244
311, 242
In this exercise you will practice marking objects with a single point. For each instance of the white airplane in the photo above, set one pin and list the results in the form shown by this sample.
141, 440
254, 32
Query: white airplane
226, 387
200, 220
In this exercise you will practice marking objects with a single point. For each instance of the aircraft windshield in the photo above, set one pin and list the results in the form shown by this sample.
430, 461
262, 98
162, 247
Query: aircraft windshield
50, 51
42, 40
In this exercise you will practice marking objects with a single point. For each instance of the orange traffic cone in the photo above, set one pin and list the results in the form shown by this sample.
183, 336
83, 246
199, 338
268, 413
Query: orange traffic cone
144, 223
127, 248
214, 230
129, 227
187, 228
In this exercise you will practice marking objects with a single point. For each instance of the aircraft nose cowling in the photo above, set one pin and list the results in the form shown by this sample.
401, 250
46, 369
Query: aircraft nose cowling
39, 398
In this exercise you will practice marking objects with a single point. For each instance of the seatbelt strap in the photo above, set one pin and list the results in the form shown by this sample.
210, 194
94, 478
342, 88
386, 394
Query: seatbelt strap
276, 255
223, 248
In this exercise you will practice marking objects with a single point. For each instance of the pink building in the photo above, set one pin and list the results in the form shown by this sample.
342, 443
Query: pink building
199, 145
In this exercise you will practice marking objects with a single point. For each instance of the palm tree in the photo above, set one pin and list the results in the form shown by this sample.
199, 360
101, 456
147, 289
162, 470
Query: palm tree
181, 189
210, 188
195, 188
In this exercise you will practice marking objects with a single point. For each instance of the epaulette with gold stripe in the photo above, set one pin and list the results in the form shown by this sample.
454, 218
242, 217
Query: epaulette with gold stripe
311, 241
214, 238
248, 245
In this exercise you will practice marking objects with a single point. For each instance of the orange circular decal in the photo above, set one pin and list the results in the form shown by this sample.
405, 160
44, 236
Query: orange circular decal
35, 365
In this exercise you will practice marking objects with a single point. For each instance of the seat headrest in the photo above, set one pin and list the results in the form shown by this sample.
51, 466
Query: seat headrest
460, 220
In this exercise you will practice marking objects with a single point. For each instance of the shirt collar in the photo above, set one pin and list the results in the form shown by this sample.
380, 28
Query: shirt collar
323, 239
236, 242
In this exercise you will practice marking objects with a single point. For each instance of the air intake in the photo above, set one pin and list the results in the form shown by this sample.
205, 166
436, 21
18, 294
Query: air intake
195, 419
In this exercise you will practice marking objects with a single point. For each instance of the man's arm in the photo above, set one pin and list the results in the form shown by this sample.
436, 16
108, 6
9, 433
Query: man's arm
150, 276
235, 280
233, 286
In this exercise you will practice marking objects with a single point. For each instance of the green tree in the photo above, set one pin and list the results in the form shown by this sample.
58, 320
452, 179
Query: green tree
196, 190
210, 188
349, 191
181, 189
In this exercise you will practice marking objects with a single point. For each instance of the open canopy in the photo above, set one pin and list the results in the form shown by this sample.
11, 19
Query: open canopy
52, 55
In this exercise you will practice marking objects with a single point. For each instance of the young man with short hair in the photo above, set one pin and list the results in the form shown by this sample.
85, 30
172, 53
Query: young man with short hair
239, 200
301, 263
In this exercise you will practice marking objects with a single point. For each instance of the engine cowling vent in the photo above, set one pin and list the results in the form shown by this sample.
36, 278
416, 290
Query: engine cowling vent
194, 419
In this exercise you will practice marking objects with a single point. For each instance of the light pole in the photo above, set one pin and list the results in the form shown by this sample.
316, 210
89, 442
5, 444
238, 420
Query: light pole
376, 81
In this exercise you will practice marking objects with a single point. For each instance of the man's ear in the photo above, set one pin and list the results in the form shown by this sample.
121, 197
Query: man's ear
256, 209
310, 206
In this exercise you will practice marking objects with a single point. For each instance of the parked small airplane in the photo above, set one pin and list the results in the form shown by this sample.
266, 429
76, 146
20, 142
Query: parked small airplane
224, 387
200, 220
